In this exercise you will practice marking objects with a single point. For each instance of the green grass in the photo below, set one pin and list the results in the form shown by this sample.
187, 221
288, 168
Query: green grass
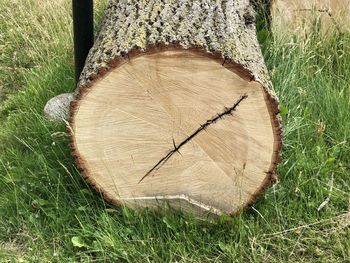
49, 214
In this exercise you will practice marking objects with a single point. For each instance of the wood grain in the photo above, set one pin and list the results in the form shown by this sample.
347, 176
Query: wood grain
123, 124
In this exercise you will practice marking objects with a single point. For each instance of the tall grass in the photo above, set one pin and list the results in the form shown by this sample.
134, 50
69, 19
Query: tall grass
31, 35
49, 214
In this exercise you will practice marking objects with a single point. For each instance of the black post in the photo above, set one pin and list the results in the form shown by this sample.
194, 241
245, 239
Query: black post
83, 25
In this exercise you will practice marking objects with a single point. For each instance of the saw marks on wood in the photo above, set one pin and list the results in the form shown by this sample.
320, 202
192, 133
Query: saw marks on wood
140, 111
300, 16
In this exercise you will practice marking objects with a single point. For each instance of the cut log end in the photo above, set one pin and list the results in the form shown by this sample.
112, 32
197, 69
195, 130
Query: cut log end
301, 18
178, 126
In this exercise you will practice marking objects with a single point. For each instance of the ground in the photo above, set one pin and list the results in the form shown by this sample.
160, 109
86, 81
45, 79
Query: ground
49, 214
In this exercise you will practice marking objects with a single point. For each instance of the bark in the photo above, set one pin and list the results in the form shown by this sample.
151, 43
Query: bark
57, 108
224, 27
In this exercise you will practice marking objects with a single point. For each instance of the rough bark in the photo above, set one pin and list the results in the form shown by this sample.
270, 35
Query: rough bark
223, 27
57, 108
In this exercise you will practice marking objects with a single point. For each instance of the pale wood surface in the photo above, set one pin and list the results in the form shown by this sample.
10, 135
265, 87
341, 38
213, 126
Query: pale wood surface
131, 118
300, 16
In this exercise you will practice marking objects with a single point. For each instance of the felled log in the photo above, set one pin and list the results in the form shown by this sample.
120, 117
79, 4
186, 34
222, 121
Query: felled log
57, 108
175, 106
300, 17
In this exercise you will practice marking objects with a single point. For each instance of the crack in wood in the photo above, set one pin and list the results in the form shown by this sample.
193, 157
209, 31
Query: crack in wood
227, 111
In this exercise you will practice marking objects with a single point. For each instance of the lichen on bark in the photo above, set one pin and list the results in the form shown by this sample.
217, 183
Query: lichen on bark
218, 26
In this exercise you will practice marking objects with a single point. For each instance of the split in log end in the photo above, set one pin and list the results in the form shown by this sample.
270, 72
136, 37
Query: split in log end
175, 125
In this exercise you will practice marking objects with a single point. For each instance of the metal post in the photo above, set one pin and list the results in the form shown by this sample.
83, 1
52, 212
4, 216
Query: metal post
83, 27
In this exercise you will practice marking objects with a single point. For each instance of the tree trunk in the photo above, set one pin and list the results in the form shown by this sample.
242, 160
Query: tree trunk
175, 105
300, 17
